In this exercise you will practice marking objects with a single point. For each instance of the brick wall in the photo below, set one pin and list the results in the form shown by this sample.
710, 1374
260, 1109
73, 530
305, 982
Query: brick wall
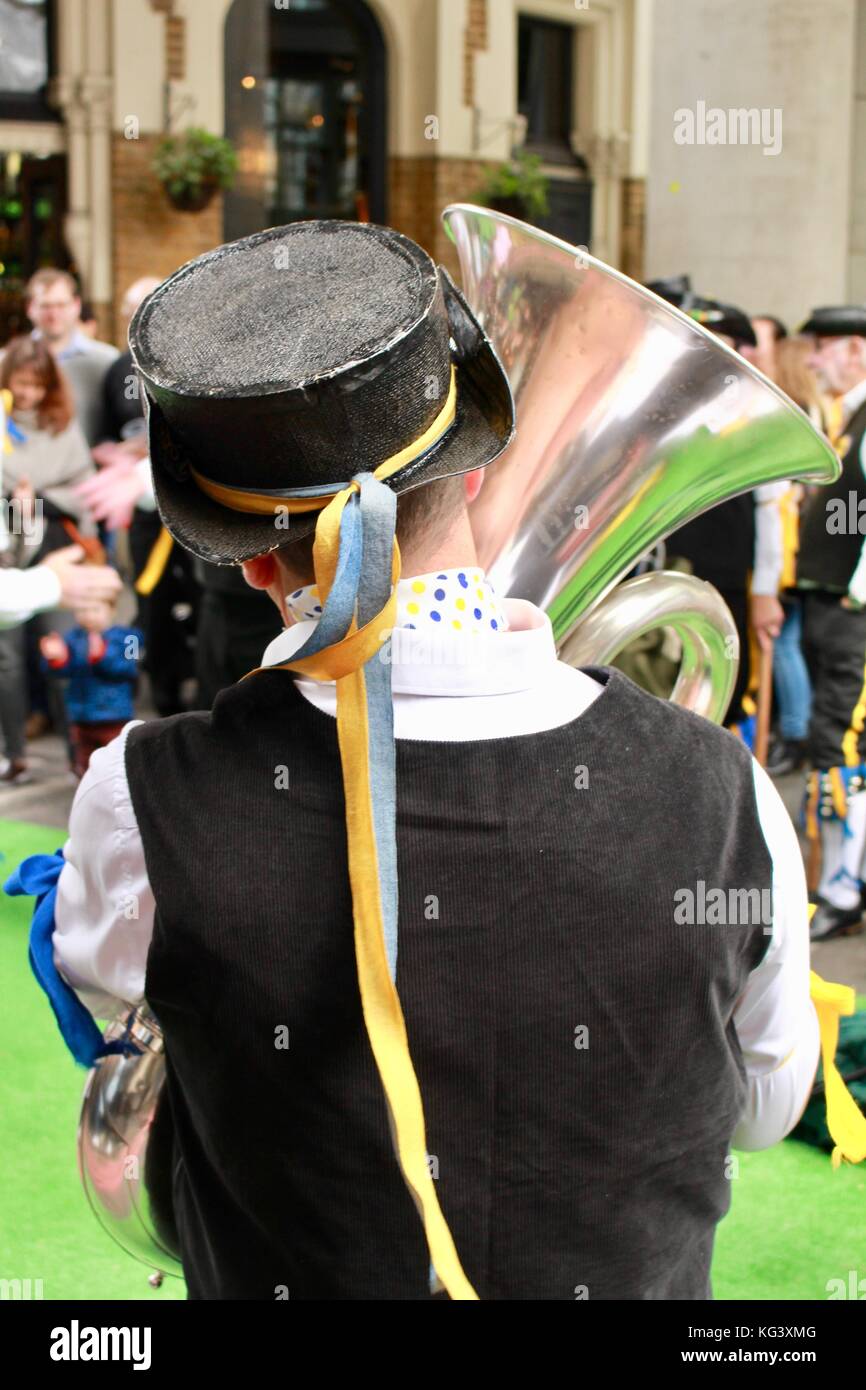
632, 228
474, 38
419, 188
150, 237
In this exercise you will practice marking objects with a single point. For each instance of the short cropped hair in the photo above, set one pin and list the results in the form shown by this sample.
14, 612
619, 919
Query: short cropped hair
426, 511
48, 276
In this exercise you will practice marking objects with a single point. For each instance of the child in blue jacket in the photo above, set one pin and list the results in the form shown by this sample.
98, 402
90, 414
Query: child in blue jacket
100, 659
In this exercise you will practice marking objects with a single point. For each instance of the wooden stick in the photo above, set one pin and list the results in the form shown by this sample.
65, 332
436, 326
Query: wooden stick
764, 701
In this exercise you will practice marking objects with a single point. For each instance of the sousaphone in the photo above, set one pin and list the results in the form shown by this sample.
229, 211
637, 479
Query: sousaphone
631, 420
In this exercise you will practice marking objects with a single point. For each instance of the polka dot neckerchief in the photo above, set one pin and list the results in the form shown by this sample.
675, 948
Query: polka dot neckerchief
455, 600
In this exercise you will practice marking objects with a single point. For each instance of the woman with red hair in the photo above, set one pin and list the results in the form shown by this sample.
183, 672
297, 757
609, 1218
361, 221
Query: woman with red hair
48, 461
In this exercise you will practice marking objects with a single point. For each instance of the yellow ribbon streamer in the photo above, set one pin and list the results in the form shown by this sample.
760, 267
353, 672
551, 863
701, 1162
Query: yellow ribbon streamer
156, 563
845, 1120
383, 1017
258, 503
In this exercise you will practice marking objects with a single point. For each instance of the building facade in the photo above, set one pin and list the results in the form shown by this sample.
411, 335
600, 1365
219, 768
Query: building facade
390, 109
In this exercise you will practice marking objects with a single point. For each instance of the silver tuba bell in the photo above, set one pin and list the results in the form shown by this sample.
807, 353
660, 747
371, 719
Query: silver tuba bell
631, 419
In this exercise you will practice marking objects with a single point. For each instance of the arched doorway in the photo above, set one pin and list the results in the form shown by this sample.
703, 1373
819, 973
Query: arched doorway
305, 89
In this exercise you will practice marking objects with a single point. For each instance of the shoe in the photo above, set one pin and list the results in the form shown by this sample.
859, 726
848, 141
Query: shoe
828, 921
15, 772
787, 755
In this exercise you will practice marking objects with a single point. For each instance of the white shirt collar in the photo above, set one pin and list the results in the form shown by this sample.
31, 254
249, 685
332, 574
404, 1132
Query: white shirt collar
853, 399
456, 663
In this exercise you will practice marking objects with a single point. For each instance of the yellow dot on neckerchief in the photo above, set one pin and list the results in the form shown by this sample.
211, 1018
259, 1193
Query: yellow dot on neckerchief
457, 623
418, 587
460, 603
412, 608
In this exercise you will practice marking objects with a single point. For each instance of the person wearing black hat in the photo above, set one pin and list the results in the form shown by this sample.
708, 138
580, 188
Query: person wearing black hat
676, 289
587, 1046
831, 572
737, 546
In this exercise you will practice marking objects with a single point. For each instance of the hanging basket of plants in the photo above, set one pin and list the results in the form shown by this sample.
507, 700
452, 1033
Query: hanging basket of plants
191, 167
517, 187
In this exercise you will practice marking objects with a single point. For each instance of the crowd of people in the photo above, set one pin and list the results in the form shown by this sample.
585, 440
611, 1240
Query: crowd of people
790, 563
75, 472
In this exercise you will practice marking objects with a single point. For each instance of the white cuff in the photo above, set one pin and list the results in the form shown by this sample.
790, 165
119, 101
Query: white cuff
146, 501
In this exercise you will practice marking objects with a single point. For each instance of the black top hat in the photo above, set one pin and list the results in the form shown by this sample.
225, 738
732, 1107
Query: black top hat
842, 321
674, 288
722, 318
298, 357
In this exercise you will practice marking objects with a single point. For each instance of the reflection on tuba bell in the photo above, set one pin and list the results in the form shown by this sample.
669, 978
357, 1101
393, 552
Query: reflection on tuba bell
631, 419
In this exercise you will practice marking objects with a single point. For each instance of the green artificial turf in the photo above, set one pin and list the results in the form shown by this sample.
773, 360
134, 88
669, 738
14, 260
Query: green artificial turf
47, 1230
795, 1223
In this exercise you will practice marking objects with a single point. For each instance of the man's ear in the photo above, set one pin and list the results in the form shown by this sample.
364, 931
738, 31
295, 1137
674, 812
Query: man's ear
260, 572
472, 483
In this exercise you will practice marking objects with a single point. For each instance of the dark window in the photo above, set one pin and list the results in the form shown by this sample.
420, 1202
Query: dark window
545, 86
32, 206
305, 107
26, 59
545, 97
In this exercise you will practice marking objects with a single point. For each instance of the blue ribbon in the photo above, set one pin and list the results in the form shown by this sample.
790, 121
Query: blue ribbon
362, 582
38, 876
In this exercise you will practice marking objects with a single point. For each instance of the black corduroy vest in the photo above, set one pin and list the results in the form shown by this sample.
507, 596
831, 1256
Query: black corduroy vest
828, 557
574, 1042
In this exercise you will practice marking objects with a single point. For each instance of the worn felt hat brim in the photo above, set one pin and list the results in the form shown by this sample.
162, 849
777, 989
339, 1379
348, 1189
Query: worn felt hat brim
836, 321
483, 426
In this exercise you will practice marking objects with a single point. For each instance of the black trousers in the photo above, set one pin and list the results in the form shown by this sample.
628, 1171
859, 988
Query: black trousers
834, 645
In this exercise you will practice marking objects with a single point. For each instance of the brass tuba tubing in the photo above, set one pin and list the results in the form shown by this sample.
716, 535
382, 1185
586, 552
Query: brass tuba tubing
697, 613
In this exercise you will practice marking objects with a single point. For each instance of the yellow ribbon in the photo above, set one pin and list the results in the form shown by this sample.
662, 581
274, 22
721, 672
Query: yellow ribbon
263, 504
835, 425
845, 1120
156, 563
343, 663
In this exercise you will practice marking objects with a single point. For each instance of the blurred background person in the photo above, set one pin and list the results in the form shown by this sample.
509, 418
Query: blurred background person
121, 496
769, 333
737, 545
831, 574
96, 661
791, 684
50, 458
54, 308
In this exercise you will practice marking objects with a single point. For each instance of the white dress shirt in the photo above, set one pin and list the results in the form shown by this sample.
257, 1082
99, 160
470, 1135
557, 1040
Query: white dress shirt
448, 686
851, 401
25, 592
769, 538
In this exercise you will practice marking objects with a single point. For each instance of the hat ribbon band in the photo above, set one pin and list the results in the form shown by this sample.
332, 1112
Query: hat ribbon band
356, 560
299, 500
